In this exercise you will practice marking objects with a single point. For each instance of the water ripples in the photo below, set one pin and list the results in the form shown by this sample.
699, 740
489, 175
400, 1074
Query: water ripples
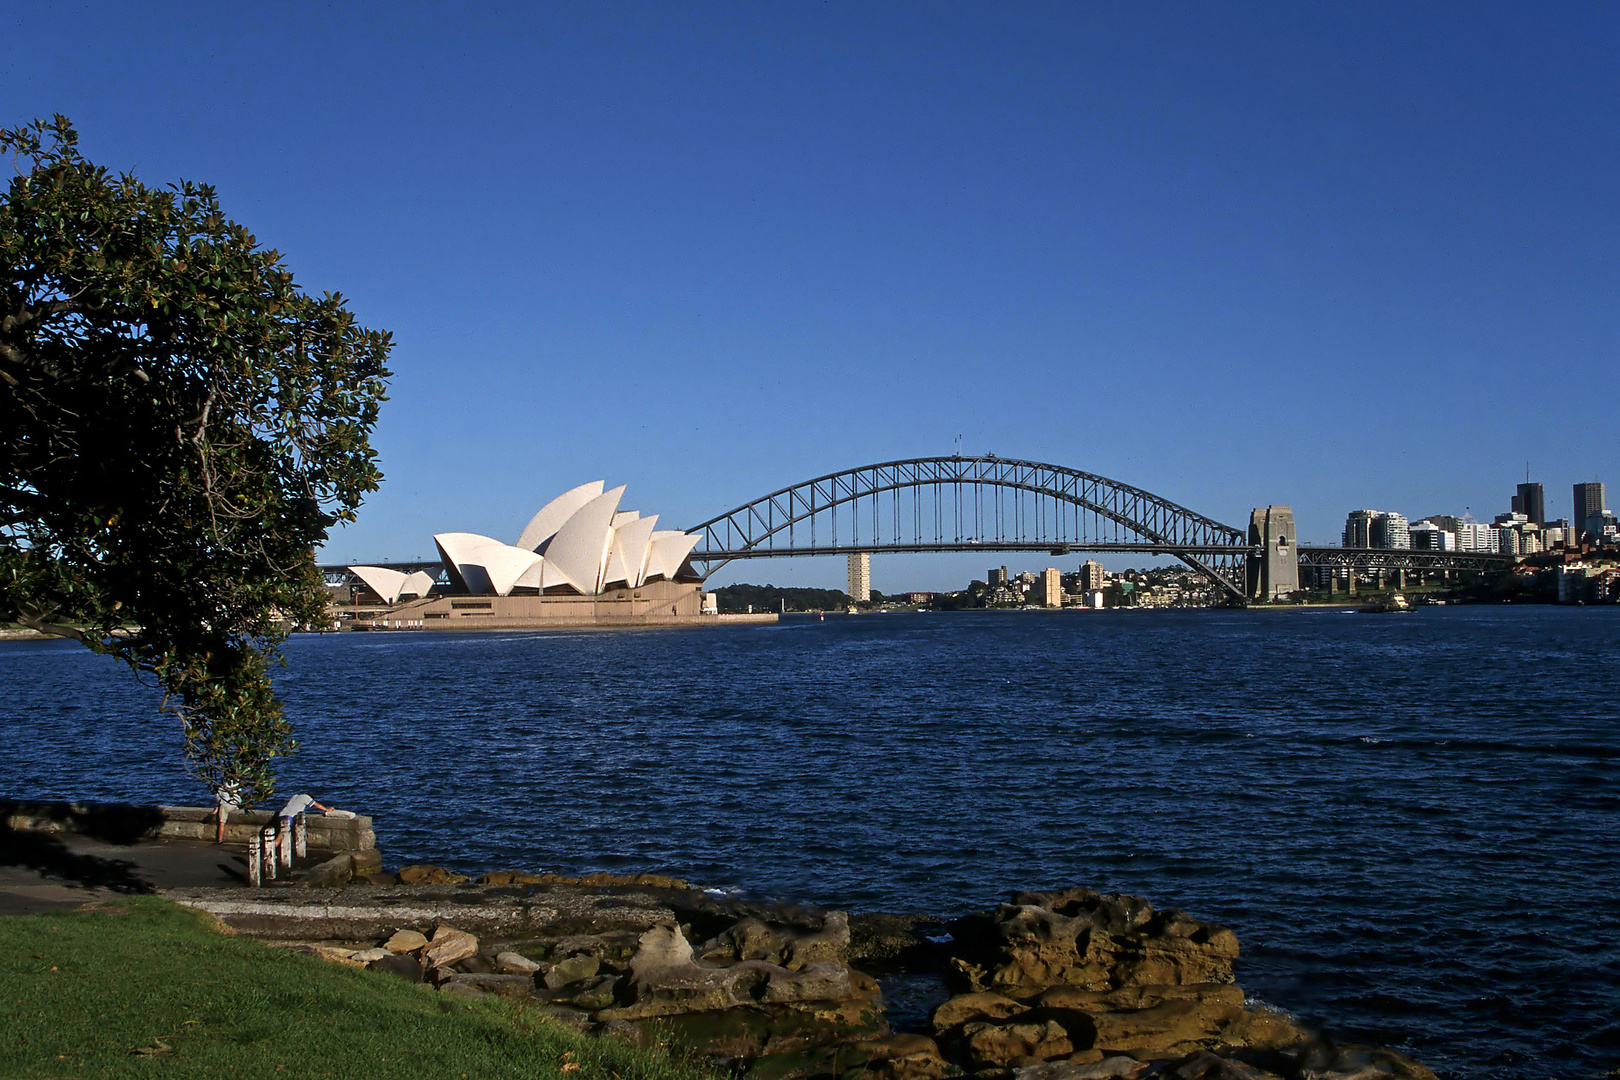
1410, 821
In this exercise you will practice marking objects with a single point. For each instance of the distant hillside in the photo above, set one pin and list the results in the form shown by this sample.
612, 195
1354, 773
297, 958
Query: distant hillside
771, 598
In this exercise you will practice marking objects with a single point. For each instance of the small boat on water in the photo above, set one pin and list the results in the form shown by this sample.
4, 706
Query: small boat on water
1384, 604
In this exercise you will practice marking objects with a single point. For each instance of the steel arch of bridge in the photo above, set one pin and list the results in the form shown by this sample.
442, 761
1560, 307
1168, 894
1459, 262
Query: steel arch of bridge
970, 504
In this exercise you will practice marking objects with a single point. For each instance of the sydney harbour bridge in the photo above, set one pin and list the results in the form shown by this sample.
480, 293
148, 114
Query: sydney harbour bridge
992, 504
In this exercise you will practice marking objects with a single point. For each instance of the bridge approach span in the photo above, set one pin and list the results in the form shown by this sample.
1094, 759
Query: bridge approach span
971, 504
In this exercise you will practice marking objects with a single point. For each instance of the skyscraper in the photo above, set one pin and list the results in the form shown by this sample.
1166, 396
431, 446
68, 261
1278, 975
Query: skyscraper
1589, 502
1531, 501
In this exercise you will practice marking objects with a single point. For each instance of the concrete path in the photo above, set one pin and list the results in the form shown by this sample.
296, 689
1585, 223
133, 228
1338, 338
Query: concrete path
42, 872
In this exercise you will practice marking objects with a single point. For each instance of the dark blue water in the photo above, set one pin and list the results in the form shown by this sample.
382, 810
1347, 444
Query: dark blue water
1412, 822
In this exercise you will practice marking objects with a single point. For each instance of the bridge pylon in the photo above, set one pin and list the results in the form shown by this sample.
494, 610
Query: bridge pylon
1273, 571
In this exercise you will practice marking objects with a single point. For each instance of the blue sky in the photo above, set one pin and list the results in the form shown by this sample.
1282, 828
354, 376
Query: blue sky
1327, 255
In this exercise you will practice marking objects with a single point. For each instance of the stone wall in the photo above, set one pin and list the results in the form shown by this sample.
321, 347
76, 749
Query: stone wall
128, 823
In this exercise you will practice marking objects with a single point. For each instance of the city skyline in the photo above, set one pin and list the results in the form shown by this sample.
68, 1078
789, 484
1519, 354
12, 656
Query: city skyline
1325, 258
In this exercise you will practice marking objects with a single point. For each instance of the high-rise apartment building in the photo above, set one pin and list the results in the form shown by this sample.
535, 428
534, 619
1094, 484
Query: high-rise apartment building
998, 576
1589, 503
1052, 587
860, 577
1091, 576
1358, 528
1390, 531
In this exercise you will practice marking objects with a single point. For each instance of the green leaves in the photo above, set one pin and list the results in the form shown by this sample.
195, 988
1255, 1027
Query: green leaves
179, 426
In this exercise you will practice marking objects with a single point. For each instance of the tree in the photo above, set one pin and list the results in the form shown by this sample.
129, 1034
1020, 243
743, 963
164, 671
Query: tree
180, 425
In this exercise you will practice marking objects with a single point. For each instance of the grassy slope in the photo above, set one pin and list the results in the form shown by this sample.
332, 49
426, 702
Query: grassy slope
81, 992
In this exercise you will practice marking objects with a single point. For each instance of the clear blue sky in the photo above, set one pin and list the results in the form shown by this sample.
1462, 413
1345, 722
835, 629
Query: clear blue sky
1328, 255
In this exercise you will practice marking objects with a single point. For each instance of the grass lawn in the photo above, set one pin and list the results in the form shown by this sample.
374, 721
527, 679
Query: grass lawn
145, 988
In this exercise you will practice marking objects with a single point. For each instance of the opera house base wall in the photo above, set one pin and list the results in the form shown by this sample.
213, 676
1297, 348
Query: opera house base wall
660, 603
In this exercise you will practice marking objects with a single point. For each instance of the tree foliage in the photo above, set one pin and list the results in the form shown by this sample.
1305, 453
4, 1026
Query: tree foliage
180, 425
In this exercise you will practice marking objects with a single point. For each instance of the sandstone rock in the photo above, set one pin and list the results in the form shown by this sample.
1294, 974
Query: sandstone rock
894, 1057
405, 967
989, 1045
814, 982
572, 970
511, 986
366, 861
664, 979
447, 946
381, 878
1118, 1067
753, 938
428, 874
334, 872
981, 1006
475, 965
1204, 1065
593, 994
368, 956
1088, 940
512, 963
331, 954
405, 941
1138, 997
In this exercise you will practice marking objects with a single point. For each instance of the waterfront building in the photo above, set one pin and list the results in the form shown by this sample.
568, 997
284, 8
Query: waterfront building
1589, 503
1358, 528
1052, 587
1476, 536
1429, 536
998, 576
1092, 576
1391, 532
860, 577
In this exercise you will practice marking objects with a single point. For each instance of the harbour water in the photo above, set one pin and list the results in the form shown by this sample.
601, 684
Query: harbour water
1411, 821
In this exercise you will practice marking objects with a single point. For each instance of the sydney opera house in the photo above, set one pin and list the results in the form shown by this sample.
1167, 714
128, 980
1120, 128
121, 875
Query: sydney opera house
580, 561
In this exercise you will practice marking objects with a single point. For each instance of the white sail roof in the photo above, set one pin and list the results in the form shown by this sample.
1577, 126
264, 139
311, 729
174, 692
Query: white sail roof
419, 583
580, 548
627, 560
386, 583
669, 550
544, 525
484, 564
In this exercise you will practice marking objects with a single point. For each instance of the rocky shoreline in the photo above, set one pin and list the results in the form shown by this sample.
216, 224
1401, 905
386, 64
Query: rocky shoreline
1069, 985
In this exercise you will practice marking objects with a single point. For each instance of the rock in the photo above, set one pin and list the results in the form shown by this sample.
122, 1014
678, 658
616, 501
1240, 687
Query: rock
814, 982
664, 979
1139, 997
511, 963
510, 986
382, 878
475, 965
989, 1045
593, 994
962, 1008
1118, 1067
447, 946
428, 874
1204, 1065
405, 941
334, 872
894, 1057
572, 970
367, 861
753, 938
405, 967
331, 954
1085, 939
889, 936
369, 956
